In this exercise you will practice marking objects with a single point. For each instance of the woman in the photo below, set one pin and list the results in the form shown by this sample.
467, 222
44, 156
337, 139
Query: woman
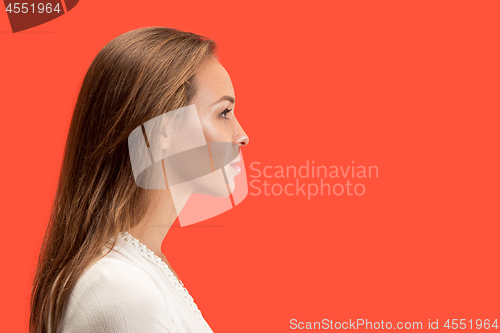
101, 268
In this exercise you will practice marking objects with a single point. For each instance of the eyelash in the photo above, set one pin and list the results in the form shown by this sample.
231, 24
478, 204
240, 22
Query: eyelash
224, 113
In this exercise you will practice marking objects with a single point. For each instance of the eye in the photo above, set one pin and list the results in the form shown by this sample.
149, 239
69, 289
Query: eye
224, 113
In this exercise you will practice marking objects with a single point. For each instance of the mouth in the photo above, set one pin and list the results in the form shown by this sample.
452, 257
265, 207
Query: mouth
234, 165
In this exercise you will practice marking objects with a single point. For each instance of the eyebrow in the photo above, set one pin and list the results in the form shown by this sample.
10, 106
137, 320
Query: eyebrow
225, 98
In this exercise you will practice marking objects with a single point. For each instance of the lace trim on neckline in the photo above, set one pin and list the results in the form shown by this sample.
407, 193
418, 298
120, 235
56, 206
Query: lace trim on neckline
151, 256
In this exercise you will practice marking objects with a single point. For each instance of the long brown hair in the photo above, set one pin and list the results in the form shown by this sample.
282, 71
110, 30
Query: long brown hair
135, 77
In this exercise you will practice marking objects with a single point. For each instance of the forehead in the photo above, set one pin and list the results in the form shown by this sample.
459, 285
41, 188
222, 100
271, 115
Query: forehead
212, 81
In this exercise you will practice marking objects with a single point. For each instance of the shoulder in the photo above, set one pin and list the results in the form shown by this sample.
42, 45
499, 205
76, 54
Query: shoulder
112, 276
116, 273
114, 294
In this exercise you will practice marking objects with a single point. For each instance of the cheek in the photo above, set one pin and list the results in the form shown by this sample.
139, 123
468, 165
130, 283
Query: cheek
216, 130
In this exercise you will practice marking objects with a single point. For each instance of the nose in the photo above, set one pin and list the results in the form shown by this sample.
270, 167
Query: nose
240, 137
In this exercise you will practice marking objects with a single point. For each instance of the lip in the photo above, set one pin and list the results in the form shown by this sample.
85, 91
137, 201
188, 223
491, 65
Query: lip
235, 166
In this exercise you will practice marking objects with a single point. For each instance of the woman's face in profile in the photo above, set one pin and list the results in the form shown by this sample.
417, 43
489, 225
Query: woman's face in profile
198, 143
215, 103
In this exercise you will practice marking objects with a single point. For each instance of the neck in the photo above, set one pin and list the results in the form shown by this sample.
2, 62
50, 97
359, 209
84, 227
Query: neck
154, 228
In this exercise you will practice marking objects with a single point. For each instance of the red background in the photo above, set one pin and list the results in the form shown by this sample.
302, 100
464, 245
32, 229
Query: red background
411, 87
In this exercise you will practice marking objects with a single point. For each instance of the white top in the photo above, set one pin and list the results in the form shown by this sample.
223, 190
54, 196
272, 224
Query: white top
131, 290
